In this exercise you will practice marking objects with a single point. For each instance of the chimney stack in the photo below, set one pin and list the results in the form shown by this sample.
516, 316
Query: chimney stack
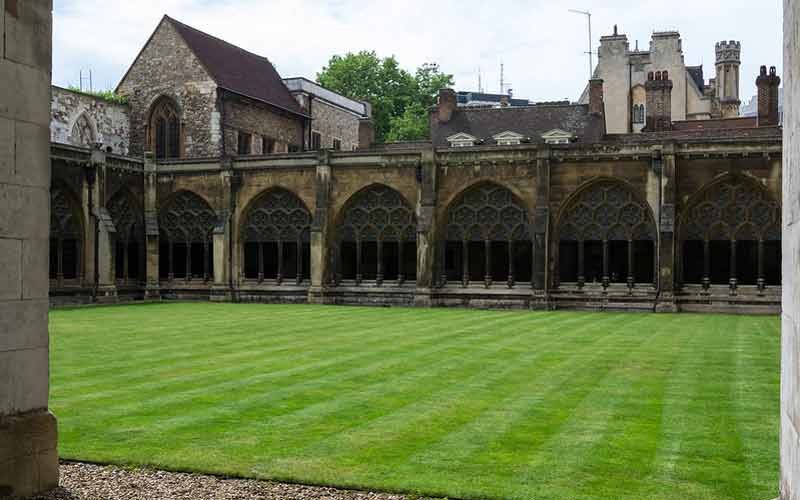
366, 133
447, 105
503, 101
596, 105
768, 97
658, 96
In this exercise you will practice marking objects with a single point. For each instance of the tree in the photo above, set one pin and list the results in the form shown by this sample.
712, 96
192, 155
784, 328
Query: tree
399, 100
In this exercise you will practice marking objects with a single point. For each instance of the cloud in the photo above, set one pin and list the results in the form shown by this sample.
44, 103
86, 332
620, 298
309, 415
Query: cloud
540, 43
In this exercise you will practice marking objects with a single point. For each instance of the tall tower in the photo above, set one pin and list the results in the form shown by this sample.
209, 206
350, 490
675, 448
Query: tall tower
727, 81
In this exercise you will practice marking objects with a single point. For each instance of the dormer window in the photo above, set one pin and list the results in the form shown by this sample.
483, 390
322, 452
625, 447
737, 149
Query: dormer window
557, 136
508, 138
462, 140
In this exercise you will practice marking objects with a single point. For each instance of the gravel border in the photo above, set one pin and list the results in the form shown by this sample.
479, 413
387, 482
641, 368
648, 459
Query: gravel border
82, 481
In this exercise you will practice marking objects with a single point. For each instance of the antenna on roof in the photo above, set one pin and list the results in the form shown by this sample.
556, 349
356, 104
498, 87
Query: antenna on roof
503, 82
589, 20
82, 78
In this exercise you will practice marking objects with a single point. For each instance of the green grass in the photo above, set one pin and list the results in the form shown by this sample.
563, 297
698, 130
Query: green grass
443, 402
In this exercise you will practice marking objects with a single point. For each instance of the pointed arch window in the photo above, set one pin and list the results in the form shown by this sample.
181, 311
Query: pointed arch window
165, 129
129, 238
66, 237
276, 237
487, 238
186, 244
606, 235
83, 132
377, 237
731, 235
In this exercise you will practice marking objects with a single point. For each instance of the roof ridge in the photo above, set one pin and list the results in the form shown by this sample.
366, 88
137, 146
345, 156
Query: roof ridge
173, 20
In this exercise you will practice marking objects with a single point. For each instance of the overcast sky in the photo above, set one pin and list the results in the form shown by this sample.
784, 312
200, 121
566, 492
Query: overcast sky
541, 44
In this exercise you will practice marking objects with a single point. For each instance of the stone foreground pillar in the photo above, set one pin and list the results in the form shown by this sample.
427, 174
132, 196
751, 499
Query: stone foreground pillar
790, 321
28, 455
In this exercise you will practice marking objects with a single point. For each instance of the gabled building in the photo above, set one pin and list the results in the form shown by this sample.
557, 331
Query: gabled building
625, 73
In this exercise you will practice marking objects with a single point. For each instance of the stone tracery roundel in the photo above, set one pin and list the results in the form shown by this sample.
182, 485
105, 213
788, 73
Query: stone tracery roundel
187, 217
279, 215
606, 210
487, 211
378, 213
732, 209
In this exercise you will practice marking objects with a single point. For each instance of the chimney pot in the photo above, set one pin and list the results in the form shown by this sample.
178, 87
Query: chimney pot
768, 84
447, 105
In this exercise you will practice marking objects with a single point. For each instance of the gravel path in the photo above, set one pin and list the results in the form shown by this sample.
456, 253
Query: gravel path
81, 481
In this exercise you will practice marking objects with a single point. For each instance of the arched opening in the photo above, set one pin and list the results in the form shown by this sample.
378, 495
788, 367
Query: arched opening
83, 132
606, 235
186, 242
66, 236
377, 237
730, 235
164, 126
129, 251
276, 238
487, 238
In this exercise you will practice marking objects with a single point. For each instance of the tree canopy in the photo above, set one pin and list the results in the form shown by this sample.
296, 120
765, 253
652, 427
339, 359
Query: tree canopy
400, 100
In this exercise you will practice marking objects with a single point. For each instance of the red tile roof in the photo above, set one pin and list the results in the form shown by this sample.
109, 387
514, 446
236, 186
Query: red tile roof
237, 70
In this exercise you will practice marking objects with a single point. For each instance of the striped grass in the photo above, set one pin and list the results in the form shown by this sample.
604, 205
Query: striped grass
440, 402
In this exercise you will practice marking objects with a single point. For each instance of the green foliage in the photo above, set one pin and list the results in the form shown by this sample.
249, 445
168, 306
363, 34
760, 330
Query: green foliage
436, 402
399, 99
106, 95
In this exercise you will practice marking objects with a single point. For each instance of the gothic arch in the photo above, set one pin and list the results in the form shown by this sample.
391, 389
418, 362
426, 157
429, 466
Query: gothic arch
129, 244
729, 234
186, 222
83, 132
66, 234
487, 237
275, 237
376, 236
606, 233
164, 128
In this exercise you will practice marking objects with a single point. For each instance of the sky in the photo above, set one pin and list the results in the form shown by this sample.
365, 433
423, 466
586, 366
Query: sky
540, 43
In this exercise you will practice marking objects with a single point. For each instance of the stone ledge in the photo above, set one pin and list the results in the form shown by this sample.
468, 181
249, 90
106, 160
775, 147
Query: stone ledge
28, 454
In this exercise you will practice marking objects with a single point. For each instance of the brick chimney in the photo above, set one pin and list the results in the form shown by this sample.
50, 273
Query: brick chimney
658, 97
447, 104
596, 105
767, 85
366, 133
503, 101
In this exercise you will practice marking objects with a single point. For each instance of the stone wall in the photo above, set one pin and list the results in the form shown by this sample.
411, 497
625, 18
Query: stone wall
110, 122
167, 67
259, 120
28, 456
790, 327
332, 123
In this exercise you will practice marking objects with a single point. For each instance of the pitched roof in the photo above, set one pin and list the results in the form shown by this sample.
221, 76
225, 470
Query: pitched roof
237, 70
696, 74
530, 121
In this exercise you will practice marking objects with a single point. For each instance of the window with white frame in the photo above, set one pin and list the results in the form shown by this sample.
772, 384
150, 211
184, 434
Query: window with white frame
462, 140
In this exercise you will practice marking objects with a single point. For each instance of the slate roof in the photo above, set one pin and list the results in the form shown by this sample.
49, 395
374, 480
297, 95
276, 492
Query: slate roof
530, 121
696, 72
238, 70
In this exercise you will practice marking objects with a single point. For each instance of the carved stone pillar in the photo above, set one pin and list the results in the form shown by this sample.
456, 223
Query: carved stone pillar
151, 228
541, 222
426, 228
320, 240
224, 238
663, 162
104, 232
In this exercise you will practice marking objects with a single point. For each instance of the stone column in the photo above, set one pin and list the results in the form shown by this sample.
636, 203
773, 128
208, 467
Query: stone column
790, 321
663, 161
151, 228
104, 234
28, 434
541, 224
321, 256
224, 239
426, 228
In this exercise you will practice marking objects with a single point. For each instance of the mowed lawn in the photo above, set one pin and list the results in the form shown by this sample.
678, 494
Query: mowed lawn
442, 402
